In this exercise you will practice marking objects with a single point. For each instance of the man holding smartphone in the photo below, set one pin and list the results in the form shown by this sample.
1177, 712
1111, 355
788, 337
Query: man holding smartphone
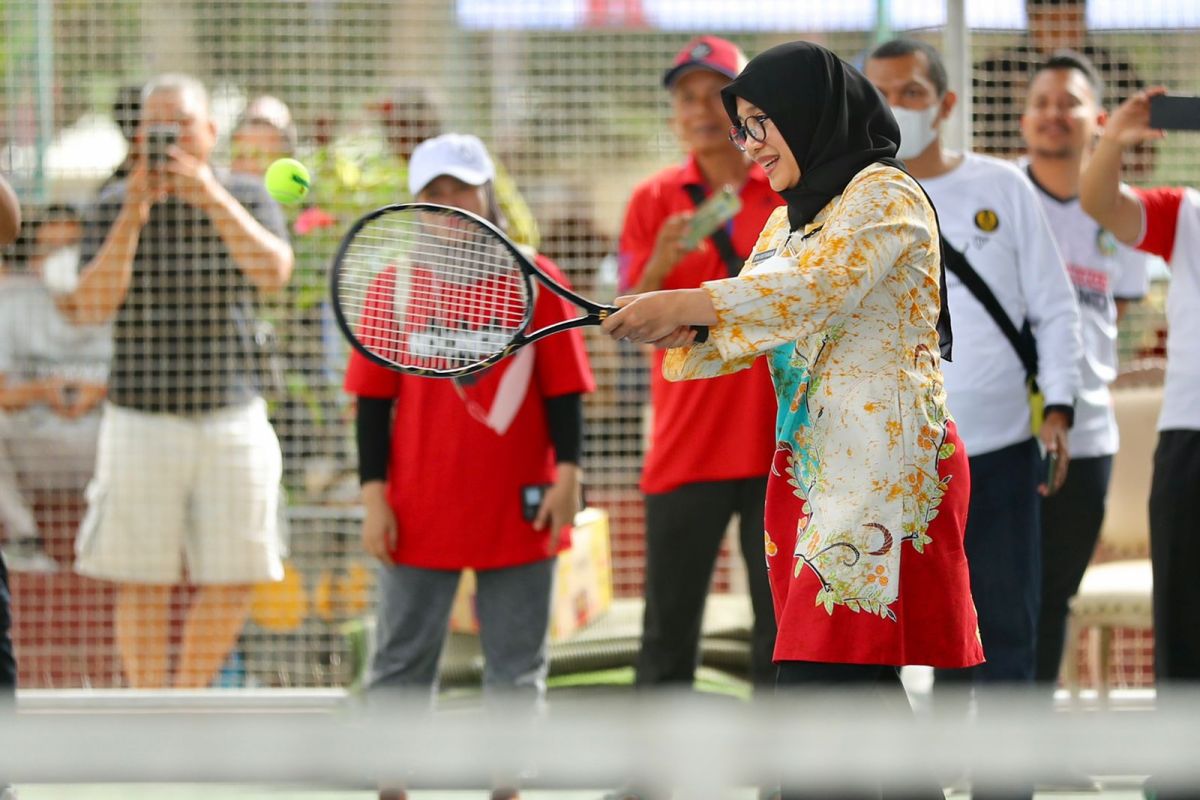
1164, 221
1063, 115
711, 442
188, 466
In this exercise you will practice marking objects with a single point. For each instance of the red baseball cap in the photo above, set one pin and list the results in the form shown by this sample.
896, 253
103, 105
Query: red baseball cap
706, 52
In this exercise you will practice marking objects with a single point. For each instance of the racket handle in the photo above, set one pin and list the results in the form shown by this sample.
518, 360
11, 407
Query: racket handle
701, 334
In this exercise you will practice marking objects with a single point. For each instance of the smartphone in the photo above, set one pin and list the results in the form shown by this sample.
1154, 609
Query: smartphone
160, 139
1170, 112
717, 209
531, 500
1049, 470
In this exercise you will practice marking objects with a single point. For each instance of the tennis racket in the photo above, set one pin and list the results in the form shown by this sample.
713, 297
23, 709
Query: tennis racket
431, 290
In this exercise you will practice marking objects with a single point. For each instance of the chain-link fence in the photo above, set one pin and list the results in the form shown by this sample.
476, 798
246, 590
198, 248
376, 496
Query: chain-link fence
568, 97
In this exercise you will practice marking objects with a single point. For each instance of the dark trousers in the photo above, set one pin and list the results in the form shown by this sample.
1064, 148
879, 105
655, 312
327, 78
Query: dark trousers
684, 529
1004, 555
807, 679
1003, 546
1071, 520
8, 662
1174, 553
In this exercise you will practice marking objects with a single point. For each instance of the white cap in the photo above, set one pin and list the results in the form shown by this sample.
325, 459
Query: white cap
459, 155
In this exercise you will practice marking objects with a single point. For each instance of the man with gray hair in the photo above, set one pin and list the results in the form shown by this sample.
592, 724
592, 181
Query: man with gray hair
188, 466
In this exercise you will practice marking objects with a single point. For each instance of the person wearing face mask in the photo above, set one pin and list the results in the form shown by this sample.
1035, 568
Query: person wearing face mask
52, 381
1016, 320
842, 296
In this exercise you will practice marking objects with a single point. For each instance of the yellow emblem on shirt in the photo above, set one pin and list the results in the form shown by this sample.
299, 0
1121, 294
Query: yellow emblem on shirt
986, 220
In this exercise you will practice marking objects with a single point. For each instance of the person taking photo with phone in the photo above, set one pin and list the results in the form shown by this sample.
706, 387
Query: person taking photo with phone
188, 465
1164, 221
710, 442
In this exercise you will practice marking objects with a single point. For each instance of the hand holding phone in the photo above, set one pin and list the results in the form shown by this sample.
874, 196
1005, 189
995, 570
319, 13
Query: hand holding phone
1171, 112
1050, 471
158, 141
531, 500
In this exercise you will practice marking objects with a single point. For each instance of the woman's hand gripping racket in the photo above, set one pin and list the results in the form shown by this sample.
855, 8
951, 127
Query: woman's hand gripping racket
432, 290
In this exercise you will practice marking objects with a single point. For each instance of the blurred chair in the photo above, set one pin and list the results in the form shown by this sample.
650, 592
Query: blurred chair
1117, 592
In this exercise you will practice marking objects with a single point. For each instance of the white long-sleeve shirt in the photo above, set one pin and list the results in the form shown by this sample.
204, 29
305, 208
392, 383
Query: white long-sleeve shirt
990, 211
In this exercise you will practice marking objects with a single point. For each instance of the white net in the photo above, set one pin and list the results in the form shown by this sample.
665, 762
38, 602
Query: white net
668, 746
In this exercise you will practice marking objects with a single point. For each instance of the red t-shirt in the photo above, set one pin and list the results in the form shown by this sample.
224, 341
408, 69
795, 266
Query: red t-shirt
1172, 231
1161, 207
464, 449
710, 430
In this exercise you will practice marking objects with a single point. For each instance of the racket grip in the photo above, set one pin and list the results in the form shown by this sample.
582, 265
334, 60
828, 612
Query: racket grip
701, 334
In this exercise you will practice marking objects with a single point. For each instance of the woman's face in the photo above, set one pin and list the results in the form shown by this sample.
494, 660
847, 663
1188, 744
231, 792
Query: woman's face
773, 153
446, 190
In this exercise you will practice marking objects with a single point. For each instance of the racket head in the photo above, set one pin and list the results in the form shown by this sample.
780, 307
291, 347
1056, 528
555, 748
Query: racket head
426, 289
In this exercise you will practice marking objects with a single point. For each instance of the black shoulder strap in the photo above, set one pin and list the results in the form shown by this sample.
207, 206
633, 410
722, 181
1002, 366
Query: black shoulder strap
1022, 341
719, 237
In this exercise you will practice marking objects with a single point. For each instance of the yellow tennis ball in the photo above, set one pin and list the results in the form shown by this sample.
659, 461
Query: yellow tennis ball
287, 180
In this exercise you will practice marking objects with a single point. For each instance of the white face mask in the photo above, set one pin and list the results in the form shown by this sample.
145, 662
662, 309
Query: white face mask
60, 270
916, 129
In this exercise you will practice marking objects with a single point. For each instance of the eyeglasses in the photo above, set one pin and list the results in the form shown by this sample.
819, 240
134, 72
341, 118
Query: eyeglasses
753, 127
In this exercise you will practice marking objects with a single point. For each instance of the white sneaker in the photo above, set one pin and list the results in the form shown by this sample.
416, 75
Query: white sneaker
28, 555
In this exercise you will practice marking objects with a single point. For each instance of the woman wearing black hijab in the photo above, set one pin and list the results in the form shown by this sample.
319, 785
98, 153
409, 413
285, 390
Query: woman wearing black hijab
867, 498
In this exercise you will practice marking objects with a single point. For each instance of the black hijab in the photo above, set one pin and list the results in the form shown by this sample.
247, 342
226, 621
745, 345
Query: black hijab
834, 121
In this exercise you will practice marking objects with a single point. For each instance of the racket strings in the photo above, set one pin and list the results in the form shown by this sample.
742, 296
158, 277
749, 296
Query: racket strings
431, 290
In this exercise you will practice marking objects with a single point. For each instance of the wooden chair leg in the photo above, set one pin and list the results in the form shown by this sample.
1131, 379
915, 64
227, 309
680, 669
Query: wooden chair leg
1104, 641
1070, 660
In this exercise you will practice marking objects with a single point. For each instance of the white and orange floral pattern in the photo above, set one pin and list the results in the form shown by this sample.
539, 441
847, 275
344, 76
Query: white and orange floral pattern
846, 310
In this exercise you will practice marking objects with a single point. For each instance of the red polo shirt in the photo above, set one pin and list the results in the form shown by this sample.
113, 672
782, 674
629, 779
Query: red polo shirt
704, 430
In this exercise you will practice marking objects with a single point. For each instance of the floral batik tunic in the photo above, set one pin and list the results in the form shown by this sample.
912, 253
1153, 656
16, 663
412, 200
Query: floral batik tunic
867, 497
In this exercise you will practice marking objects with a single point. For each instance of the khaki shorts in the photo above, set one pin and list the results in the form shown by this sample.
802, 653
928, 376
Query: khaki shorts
166, 488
